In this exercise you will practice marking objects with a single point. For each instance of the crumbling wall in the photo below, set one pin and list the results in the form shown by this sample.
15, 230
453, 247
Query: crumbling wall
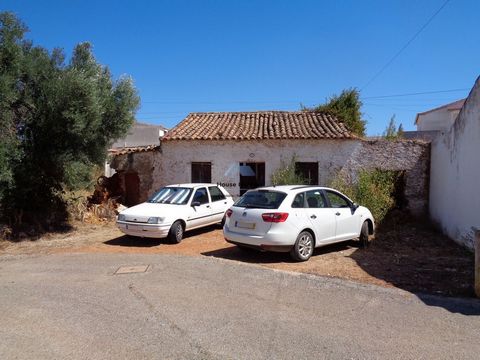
410, 156
143, 163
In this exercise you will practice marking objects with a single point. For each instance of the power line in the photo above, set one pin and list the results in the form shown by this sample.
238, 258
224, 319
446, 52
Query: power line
406, 45
414, 93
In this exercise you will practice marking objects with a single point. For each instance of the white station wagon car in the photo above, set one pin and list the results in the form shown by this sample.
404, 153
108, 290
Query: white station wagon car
175, 209
296, 219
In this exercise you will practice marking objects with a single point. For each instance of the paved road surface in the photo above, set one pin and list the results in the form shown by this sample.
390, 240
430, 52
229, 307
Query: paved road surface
72, 306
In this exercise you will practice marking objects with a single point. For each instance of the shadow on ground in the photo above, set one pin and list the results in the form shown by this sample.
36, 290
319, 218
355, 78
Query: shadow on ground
411, 255
253, 256
135, 241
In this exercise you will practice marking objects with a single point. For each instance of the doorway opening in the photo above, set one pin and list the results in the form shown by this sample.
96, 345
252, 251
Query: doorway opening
252, 175
132, 189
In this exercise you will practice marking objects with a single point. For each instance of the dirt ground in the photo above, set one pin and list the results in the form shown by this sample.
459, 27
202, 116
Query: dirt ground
405, 253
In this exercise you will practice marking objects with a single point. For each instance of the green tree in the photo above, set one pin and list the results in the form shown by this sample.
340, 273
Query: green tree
346, 107
60, 119
400, 131
391, 132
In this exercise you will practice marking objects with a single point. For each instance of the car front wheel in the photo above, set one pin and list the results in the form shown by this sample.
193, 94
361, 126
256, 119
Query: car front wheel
364, 237
303, 248
175, 235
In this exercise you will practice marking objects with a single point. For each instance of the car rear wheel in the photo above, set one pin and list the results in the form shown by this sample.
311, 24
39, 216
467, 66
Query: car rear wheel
175, 235
303, 248
364, 238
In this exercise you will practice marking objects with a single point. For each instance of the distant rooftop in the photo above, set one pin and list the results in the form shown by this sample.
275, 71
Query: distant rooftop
456, 105
141, 135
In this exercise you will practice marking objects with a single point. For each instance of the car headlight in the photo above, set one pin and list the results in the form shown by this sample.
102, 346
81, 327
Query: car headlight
155, 220
121, 217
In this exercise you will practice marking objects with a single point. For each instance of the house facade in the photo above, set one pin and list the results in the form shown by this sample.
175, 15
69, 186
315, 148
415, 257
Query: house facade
241, 151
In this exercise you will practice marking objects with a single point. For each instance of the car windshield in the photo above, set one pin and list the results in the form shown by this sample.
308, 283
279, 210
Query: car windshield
171, 195
263, 199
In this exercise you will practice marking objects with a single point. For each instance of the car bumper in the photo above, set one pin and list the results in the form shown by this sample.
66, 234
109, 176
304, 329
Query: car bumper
144, 230
270, 241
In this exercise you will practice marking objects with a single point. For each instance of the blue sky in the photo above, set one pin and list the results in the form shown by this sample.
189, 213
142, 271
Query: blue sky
188, 56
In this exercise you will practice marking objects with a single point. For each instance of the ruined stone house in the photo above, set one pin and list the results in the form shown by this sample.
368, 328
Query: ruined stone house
241, 150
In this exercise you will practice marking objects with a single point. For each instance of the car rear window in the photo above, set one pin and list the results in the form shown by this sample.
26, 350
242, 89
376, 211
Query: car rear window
262, 199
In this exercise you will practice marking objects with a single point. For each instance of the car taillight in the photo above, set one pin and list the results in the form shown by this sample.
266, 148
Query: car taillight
229, 213
275, 217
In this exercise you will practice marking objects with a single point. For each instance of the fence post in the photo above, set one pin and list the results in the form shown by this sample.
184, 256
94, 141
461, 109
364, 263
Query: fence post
477, 263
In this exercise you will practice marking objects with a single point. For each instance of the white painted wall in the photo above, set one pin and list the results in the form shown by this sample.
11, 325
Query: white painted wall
455, 174
225, 156
441, 119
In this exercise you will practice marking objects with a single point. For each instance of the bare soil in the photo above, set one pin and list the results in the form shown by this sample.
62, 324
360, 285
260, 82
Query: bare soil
405, 253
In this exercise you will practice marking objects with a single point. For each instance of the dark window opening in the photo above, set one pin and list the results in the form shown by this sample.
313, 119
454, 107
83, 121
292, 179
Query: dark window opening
252, 176
308, 170
201, 172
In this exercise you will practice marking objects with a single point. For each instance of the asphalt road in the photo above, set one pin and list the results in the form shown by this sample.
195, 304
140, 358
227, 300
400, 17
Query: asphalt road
73, 306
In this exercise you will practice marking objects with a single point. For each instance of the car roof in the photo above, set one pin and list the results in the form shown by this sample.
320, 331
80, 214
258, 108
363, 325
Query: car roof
191, 185
287, 188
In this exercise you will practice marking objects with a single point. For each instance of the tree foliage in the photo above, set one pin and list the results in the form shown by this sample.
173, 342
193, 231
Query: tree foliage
391, 132
59, 119
346, 107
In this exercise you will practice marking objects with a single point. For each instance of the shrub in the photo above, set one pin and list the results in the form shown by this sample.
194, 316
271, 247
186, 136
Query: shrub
286, 175
374, 189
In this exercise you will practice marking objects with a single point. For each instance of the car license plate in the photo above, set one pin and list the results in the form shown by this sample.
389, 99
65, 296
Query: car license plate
245, 225
133, 227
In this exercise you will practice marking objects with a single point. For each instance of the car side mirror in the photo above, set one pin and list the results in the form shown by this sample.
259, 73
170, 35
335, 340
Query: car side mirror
195, 203
354, 207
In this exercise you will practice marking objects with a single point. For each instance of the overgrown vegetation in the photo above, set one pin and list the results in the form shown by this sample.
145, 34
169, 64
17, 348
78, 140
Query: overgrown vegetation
374, 189
56, 121
347, 107
391, 132
286, 174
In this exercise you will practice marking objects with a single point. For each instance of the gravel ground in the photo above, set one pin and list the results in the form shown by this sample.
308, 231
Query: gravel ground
406, 254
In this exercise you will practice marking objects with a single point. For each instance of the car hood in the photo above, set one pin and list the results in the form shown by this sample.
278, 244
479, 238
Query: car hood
153, 209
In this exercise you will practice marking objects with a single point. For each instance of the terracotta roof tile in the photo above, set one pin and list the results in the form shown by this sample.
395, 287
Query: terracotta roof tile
134, 149
259, 125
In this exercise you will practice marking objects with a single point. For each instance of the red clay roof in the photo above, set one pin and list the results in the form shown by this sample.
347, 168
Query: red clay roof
134, 149
259, 125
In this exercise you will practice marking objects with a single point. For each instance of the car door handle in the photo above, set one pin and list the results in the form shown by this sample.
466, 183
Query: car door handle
338, 214
208, 206
313, 217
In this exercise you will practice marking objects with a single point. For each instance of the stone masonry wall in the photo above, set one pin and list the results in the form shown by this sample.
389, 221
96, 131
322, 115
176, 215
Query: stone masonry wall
142, 163
410, 156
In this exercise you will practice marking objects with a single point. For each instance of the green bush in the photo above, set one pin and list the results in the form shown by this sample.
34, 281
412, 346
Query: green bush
286, 175
374, 189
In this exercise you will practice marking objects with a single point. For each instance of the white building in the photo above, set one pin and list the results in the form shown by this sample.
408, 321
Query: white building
440, 118
455, 172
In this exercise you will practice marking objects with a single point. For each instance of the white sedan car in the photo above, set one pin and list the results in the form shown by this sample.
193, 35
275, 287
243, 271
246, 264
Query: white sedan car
296, 219
175, 209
